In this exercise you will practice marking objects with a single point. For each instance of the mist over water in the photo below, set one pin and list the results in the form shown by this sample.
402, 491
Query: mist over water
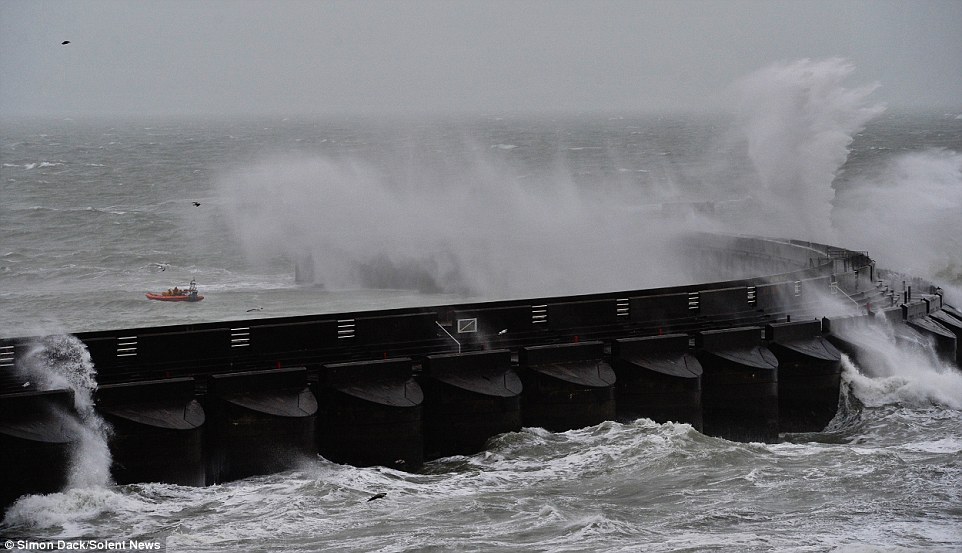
908, 214
485, 228
487, 232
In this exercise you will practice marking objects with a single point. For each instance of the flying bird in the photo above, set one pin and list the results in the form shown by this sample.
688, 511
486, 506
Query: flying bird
196, 204
65, 42
377, 496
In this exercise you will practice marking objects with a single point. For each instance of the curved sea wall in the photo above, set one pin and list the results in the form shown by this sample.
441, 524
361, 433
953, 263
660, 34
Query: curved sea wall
743, 358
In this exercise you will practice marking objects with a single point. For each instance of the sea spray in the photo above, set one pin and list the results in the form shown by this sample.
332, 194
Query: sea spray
896, 372
62, 361
912, 202
483, 228
796, 121
489, 232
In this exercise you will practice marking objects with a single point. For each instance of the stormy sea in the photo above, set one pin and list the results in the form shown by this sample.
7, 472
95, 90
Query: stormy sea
384, 212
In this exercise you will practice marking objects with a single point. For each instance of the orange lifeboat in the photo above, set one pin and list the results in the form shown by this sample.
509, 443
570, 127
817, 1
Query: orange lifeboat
176, 294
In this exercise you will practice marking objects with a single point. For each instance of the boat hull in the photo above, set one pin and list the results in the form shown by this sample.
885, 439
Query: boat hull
161, 297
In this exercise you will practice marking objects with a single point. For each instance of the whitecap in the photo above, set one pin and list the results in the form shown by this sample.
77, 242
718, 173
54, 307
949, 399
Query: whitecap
944, 445
67, 514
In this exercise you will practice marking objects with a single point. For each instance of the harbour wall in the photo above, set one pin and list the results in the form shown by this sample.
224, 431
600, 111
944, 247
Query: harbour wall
743, 359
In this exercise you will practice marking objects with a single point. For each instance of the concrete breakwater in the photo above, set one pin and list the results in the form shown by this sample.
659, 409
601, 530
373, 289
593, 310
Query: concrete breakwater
197, 404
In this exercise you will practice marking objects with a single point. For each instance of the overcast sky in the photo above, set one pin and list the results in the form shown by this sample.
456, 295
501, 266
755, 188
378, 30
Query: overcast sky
289, 57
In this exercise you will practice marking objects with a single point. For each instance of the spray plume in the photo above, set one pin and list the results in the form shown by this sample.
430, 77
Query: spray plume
63, 362
908, 214
458, 220
798, 120
894, 372
486, 231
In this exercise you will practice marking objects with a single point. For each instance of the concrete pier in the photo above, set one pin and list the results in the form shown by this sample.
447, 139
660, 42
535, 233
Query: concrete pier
809, 375
151, 423
38, 431
659, 378
853, 334
943, 339
259, 422
954, 326
566, 385
468, 398
372, 414
739, 385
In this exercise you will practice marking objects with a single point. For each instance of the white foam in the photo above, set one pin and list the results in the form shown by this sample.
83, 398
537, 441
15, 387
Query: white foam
62, 361
948, 445
68, 514
902, 375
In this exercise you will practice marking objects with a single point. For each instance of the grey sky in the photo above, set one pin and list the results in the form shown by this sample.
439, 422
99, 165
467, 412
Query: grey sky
291, 57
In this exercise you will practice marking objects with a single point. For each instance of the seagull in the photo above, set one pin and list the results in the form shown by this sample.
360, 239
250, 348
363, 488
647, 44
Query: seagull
377, 496
255, 309
65, 42
196, 204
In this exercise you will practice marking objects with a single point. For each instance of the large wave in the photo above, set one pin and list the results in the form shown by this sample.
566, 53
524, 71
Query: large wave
796, 122
892, 371
488, 230
63, 362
